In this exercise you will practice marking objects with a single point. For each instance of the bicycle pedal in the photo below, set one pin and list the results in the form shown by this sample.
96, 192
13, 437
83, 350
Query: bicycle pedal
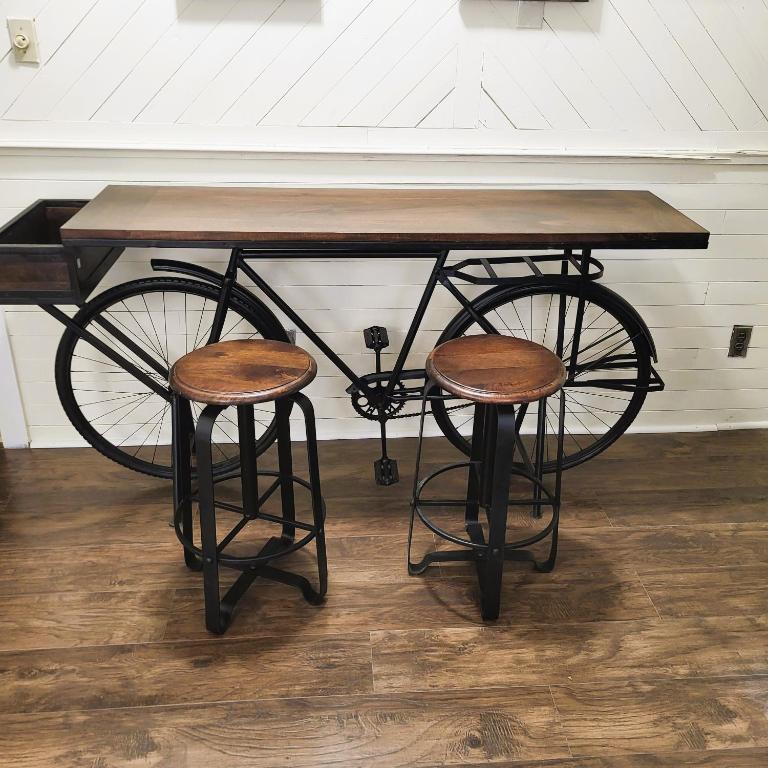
385, 471
376, 337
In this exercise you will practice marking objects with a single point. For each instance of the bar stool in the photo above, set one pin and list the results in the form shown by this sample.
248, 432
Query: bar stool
497, 373
241, 373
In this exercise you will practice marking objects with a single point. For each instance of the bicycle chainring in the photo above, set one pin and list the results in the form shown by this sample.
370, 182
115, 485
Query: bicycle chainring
367, 402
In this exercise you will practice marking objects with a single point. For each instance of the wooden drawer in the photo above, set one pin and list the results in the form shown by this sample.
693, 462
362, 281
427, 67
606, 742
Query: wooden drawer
35, 268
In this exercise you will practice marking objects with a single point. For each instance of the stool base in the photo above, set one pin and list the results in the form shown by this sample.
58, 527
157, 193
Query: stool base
212, 552
219, 618
495, 441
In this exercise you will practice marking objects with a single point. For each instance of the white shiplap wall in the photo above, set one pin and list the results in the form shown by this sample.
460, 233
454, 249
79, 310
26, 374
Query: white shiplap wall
667, 95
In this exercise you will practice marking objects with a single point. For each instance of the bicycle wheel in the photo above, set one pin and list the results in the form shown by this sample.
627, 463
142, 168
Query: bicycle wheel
611, 371
119, 415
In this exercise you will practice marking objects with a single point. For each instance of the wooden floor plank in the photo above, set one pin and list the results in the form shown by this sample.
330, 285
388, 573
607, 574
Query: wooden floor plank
347, 732
664, 716
93, 568
518, 655
687, 506
418, 603
117, 567
66, 619
652, 631
730, 591
726, 758
670, 547
218, 669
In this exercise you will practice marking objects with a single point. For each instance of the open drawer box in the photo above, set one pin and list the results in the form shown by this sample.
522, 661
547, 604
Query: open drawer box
35, 268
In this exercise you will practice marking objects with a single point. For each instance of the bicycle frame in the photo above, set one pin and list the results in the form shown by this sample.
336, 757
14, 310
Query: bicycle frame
440, 273
381, 395
381, 387
238, 261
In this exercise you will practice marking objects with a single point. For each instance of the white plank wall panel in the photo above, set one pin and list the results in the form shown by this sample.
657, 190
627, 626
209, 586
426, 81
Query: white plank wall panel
72, 59
586, 48
740, 34
665, 95
690, 299
566, 70
713, 67
623, 46
670, 59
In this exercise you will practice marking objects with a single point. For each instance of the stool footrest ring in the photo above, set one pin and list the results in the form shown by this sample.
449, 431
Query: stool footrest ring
548, 500
245, 562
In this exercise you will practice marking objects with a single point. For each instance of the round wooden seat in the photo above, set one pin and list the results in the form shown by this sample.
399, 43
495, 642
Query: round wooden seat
495, 369
242, 371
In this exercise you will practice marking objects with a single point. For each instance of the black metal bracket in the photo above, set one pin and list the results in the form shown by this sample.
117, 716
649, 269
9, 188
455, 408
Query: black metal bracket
589, 267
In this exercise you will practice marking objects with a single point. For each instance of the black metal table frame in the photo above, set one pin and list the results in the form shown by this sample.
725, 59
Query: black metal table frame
382, 389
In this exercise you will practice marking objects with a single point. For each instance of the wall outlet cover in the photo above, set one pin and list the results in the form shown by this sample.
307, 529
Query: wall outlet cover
23, 35
740, 338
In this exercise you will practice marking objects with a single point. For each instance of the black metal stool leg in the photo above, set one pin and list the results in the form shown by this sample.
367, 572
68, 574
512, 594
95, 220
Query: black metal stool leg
490, 429
318, 508
214, 620
549, 563
491, 566
475, 476
283, 409
417, 568
183, 433
249, 478
541, 437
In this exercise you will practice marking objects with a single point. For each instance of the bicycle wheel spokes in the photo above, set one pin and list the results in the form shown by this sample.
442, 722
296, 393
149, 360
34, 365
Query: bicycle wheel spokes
603, 348
122, 415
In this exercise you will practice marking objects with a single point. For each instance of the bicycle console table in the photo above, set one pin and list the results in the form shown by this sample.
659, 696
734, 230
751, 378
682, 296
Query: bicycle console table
56, 252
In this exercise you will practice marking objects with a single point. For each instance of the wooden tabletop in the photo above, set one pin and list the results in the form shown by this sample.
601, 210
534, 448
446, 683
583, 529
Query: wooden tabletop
387, 218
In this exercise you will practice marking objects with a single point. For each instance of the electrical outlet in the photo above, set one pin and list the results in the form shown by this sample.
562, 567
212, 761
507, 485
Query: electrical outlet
24, 40
740, 338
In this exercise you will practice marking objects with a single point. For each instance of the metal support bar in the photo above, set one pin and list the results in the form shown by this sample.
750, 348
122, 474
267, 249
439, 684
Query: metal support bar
183, 432
285, 462
284, 307
222, 305
108, 352
249, 478
491, 566
127, 342
418, 316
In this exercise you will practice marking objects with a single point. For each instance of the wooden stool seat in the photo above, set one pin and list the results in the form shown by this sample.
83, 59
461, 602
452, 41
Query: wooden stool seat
495, 369
242, 371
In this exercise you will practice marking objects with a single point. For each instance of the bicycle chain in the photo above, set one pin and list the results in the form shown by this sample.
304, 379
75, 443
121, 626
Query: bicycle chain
413, 415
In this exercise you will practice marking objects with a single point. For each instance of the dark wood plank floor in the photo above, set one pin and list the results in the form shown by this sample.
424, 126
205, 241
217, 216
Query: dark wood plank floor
646, 648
